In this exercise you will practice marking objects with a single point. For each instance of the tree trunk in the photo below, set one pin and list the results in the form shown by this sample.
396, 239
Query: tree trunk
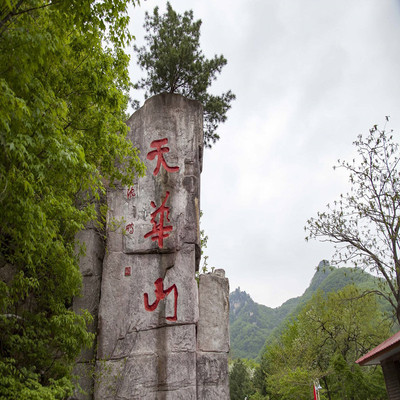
327, 388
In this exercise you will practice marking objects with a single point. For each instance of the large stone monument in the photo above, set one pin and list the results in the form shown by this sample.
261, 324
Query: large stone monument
152, 344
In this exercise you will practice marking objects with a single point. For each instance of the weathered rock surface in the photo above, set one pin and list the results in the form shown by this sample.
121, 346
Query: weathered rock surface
174, 124
91, 265
213, 325
146, 362
123, 304
149, 295
212, 376
153, 342
213, 337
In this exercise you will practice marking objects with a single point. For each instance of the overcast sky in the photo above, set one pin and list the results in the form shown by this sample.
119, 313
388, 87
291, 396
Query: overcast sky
309, 76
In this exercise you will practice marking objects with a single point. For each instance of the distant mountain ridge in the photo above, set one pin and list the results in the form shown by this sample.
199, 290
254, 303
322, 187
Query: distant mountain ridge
251, 324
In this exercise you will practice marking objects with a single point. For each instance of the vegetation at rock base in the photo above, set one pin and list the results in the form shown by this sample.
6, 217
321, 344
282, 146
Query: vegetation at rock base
364, 224
174, 63
63, 96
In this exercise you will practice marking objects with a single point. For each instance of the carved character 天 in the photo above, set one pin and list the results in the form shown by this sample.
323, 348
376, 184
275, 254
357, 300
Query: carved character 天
159, 153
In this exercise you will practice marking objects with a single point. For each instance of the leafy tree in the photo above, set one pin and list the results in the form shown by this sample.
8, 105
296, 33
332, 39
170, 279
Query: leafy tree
288, 371
63, 85
240, 384
365, 223
259, 381
174, 63
258, 396
331, 332
252, 324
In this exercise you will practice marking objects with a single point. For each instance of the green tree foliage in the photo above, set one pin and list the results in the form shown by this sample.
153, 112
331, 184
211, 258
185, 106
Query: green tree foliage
174, 63
252, 324
365, 223
244, 380
63, 85
249, 325
240, 380
331, 332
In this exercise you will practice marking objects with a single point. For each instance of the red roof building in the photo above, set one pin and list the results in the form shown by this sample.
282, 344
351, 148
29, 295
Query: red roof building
387, 354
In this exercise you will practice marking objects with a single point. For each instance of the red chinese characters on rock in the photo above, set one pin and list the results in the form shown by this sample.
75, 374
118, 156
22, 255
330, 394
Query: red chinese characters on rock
161, 294
159, 231
159, 153
130, 193
129, 228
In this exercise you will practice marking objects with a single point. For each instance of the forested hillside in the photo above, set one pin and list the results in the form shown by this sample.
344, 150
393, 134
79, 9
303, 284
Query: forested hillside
251, 324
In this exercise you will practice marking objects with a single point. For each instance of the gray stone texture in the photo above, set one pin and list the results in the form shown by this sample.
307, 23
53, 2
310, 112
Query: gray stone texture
151, 364
179, 120
122, 308
212, 376
84, 373
213, 337
213, 325
90, 264
149, 295
160, 335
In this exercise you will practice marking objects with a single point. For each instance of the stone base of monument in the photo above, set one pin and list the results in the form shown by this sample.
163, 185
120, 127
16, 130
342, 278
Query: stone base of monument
146, 362
161, 364
177, 361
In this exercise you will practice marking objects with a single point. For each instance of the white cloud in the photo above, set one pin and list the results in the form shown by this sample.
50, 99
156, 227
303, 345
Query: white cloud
309, 77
